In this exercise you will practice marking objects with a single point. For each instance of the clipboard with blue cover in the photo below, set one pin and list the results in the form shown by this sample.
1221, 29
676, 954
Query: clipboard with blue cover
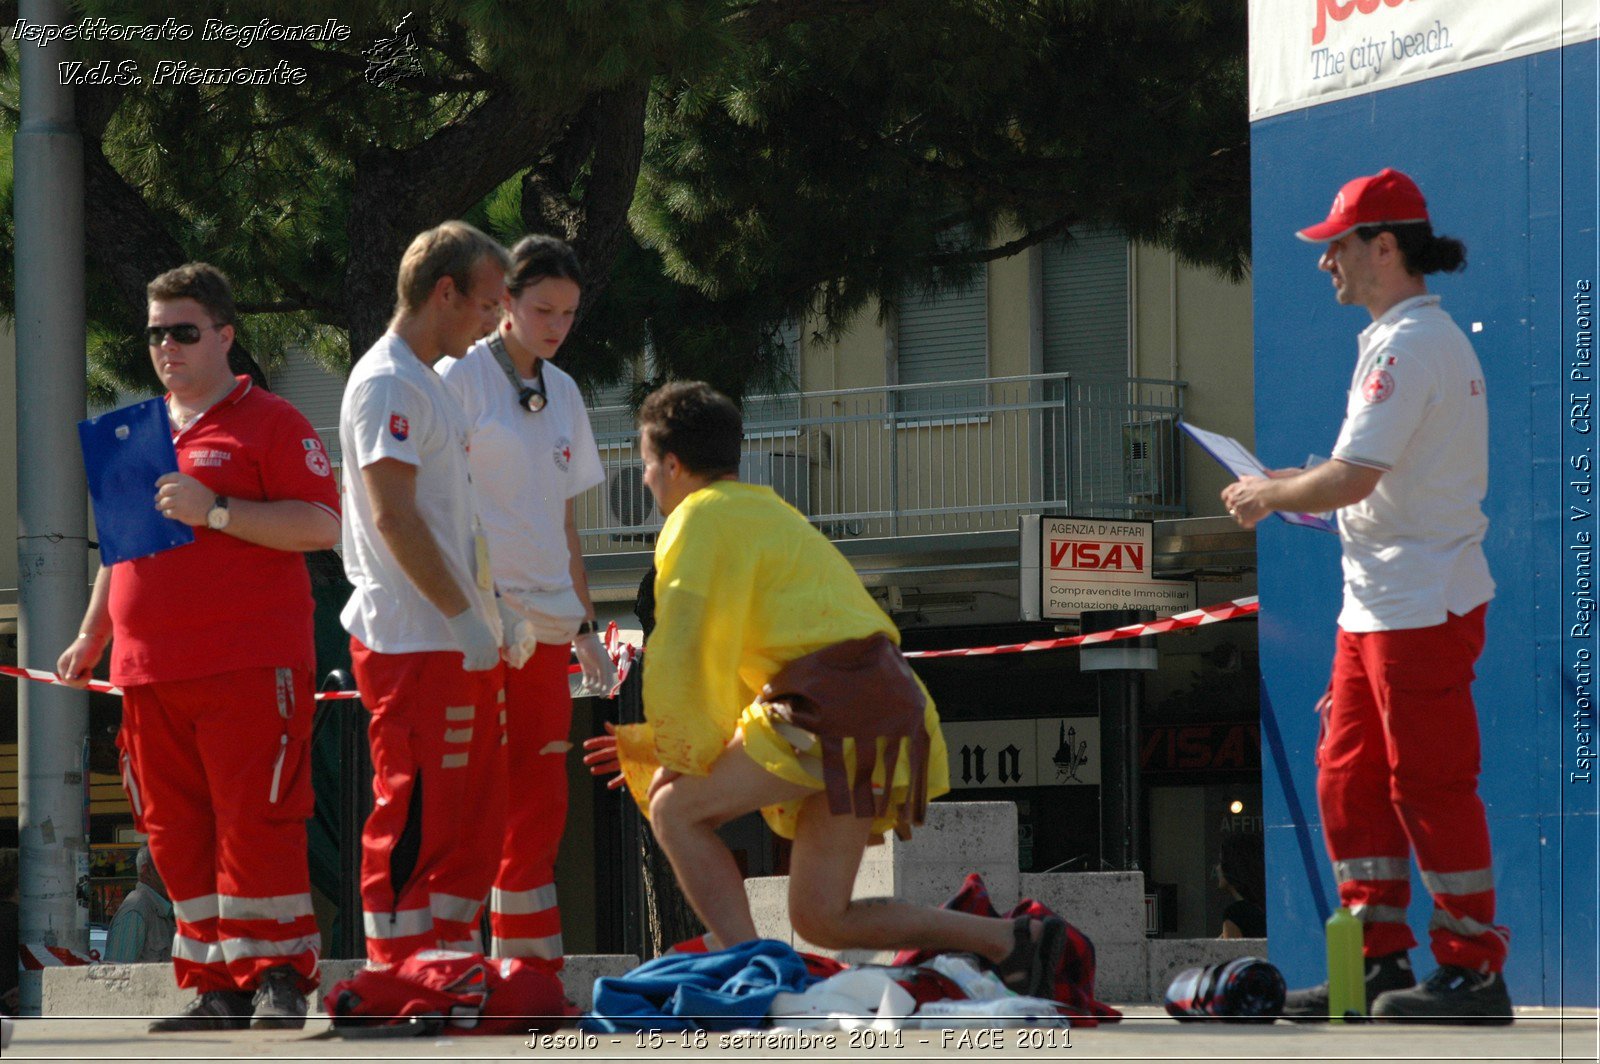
1237, 459
124, 453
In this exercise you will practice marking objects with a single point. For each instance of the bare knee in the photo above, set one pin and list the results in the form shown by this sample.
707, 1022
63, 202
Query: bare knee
675, 808
666, 811
820, 923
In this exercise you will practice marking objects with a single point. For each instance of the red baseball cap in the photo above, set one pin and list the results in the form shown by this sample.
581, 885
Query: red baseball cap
1387, 197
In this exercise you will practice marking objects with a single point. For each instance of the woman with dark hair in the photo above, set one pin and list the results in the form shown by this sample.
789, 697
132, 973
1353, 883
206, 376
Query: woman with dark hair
532, 452
1240, 872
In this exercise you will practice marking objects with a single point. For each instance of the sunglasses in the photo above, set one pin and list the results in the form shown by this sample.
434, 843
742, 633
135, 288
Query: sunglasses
185, 333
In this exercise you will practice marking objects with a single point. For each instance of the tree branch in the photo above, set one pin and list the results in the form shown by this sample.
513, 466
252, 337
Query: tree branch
283, 306
766, 17
397, 193
1006, 250
607, 137
123, 236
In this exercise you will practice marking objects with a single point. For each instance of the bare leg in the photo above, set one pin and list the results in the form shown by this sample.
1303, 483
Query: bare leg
822, 872
685, 814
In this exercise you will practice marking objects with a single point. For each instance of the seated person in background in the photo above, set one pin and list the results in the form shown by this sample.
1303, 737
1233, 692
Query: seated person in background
768, 661
142, 930
1240, 873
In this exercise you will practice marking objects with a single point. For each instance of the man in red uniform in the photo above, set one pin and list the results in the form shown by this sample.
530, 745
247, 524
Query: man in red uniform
1398, 758
212, 646
424, 626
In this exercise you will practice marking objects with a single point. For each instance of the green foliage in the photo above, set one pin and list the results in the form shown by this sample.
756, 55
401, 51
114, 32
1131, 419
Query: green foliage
843, 161
802, 159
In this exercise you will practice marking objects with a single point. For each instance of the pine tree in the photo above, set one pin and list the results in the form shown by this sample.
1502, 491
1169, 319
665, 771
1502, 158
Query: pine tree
723, 167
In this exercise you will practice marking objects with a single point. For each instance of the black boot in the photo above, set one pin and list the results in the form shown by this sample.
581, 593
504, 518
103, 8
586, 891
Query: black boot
215, 1010
1451, 995
279, 1005
1390, 972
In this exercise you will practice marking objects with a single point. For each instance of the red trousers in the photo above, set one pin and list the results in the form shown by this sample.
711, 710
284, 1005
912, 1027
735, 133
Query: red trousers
1398, 775
430, 848
524, 917
218, 772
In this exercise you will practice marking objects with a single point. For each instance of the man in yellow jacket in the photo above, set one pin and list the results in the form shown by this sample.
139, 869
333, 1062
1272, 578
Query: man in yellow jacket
745, 587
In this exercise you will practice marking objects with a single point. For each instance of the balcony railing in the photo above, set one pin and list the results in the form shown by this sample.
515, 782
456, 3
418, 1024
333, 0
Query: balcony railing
925, 459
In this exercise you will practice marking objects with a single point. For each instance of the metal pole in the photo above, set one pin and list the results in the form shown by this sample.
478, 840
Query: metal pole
1135, 843
52, 509
892, 401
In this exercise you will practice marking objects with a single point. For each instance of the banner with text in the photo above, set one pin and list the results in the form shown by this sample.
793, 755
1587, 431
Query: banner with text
1048, 752
1304, 52
1073, 564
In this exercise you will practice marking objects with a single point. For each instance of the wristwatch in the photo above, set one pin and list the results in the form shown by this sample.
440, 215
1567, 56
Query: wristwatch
586, 628
217, 516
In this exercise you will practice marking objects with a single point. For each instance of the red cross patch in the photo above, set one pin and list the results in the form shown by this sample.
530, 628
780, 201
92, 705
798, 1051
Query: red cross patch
399, 427
1378, 386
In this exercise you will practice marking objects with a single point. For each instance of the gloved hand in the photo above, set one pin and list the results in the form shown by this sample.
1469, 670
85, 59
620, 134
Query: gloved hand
599, 675
480, 650
519, 641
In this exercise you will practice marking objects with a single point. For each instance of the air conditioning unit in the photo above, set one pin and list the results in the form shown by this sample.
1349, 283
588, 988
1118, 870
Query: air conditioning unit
787, 474
629, 503
1151, 455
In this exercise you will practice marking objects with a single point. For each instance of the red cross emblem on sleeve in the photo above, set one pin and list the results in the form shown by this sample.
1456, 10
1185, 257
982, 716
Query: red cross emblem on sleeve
1378, 386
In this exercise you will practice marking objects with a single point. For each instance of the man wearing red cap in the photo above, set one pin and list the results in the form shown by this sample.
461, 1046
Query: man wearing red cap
1398, 756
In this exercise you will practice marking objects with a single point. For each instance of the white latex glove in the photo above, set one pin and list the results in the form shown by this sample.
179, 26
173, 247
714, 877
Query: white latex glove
519, 642
480, 650
599, 675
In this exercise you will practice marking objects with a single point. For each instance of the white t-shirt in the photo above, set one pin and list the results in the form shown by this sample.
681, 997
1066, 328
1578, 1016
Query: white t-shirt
396, 407
525, 466
1413, 549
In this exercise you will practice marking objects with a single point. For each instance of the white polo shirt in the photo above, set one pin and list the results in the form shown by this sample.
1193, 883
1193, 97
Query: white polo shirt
1413, 549
396, 407
525, 466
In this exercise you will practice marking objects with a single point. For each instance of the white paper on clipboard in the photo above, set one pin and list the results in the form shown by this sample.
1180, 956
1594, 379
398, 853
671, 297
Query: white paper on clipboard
1237, 459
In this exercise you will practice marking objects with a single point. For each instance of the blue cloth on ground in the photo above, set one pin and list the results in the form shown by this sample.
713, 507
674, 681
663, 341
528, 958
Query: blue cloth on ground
721, 991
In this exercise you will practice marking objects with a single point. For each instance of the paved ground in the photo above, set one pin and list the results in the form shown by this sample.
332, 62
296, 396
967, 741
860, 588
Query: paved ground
1146, 1034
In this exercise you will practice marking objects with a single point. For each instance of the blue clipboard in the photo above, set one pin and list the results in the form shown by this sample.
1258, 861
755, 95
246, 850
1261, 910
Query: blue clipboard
1237, 459
124, 453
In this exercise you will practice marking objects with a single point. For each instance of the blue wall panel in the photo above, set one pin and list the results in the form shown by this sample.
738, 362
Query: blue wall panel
1574, 940
1506, 156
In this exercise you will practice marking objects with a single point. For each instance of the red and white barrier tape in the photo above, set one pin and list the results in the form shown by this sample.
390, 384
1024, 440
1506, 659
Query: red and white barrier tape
38, 958
624, 654
1224, 611
49, 677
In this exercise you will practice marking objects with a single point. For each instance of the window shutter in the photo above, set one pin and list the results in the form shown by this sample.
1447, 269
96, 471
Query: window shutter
944, 337
1086, 304
314, 391
1086, 334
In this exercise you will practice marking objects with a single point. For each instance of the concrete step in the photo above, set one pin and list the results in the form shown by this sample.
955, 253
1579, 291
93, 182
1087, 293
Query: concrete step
963, 837
959, 837
1169, 956
1109, 908
149, 990
1106, 906
1128, 973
